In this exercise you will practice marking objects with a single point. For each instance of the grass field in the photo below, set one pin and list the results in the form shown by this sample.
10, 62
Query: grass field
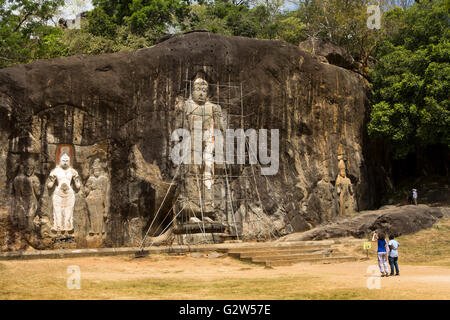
429, 247
424, 267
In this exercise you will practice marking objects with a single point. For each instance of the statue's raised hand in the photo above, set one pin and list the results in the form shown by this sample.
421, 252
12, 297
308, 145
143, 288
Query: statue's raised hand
51, 181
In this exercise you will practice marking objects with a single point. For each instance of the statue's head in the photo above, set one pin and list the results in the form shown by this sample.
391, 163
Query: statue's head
200, 90
64, 161
29, 167
97, 168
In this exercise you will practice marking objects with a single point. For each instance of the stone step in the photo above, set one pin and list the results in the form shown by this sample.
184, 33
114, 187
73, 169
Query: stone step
296, 257
288, 262
286, 251
279, 248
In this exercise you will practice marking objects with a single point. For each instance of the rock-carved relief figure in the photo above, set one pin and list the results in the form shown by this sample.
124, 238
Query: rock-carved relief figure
344, 189
26, 189
202, 117
140, 197
97, 191
63, 197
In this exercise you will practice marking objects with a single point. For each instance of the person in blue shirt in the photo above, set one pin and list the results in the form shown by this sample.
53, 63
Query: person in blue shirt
393, 255
382, 252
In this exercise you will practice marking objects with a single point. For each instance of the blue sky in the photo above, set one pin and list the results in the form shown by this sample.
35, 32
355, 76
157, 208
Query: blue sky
73, 7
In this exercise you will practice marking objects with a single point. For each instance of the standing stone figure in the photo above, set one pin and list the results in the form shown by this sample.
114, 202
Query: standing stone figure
26, 189
63, 196
201, 115
344, 189
97, 197
140, 196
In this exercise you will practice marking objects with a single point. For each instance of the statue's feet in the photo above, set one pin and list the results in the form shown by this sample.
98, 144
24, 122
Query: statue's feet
207, 219
194, 220
197, 220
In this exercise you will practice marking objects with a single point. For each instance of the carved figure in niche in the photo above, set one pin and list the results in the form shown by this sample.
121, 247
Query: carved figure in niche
141, 197
200, 178
97, 190
344, 190
26, 189
63, 197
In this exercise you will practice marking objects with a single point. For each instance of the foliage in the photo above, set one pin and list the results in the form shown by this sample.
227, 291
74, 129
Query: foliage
223, 16
83, 42
24, 31
101, 24
411, 80
291, 29
143, 17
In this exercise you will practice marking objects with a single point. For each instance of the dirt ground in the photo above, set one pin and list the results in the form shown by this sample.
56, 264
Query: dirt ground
183, 277
424, 274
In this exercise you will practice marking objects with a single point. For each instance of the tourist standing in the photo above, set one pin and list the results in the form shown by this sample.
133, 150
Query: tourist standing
382, 253
414, 195
393, 255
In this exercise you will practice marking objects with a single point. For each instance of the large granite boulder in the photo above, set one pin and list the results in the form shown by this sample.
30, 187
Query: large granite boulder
115, 113
391, 220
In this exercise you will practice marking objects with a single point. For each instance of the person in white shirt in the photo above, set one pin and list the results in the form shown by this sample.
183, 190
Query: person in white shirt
393, 255
414, 195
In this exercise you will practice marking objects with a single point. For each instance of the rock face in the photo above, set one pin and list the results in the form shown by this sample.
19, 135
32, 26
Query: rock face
390, 219
118, 112
328, 52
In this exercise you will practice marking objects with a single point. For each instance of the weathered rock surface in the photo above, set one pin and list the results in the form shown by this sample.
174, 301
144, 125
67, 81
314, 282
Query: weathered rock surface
389, 219
121, 108
331, 52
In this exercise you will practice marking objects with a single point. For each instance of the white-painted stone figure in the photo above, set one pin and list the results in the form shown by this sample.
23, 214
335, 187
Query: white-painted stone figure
63, 197
97, 190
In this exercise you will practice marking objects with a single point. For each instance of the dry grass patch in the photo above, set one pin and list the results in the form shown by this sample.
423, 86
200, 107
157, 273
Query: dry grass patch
429, 247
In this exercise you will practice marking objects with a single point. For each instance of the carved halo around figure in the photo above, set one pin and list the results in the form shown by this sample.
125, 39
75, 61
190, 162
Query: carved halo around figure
64, 149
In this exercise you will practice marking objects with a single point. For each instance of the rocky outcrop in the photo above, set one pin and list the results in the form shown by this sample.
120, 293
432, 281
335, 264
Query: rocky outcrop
389, 219
119, 110
329, 52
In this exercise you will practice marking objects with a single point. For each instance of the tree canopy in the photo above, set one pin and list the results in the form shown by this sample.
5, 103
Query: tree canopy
411, 80
25, 34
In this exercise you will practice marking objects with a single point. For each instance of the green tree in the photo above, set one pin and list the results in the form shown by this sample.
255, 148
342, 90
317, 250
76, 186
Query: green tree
25, 33
144, 17
345, 23
101, 24
411, 80
290, 28
224, 16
